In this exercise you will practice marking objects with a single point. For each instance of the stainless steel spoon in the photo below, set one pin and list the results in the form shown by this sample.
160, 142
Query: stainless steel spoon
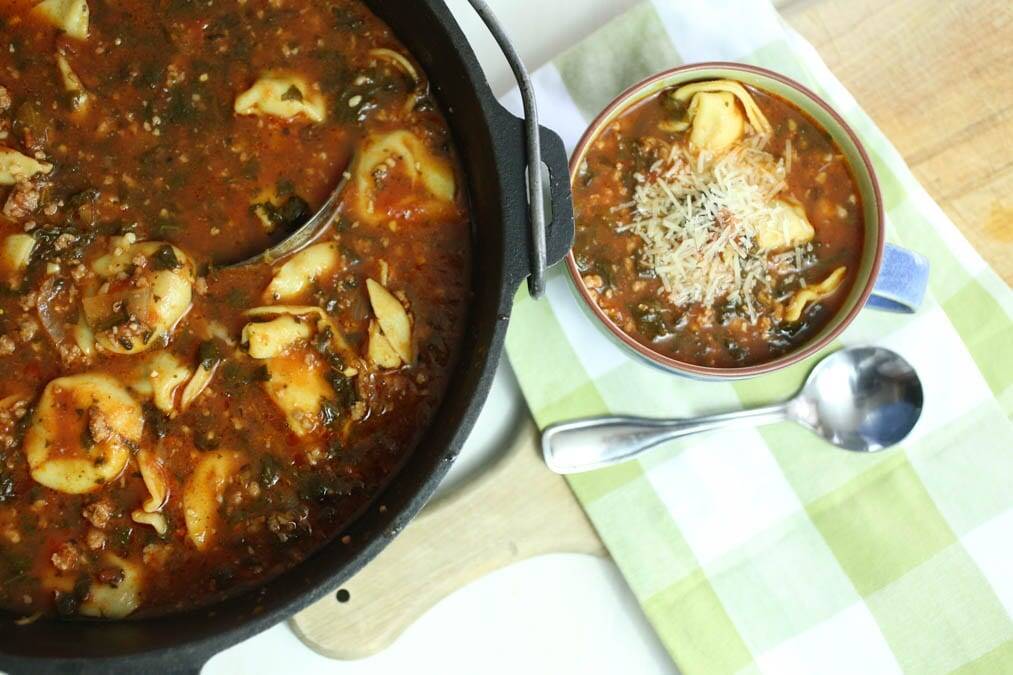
864, 399
308, 232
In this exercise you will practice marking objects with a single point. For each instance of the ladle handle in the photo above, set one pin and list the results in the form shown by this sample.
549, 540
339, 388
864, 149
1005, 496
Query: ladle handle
584, 445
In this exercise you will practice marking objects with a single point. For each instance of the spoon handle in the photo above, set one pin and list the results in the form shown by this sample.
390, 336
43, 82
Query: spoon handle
583, 445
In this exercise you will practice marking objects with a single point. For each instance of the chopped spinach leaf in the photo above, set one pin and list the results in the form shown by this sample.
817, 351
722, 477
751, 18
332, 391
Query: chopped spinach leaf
292, 94
208, 354
270, 471
6, 487
293, 212
344, 389
330, 413
156, 420
206, 440
165, 259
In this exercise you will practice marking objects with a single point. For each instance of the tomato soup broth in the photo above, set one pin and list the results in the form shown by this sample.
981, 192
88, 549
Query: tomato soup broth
717, 225
172, 430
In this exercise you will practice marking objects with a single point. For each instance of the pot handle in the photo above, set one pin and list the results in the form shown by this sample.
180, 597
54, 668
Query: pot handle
546, 168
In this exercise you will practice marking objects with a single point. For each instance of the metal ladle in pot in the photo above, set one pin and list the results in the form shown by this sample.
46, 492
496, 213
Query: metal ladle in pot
863, 399
307, 232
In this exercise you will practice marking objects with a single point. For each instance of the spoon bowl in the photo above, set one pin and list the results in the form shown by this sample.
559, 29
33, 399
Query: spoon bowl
863, 399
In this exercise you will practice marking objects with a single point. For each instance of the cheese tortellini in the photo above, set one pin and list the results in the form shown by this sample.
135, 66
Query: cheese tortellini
202, 495
298, 385
200, 381
165, 373
270, 339
390, 336
400, 157
811, 294
115, 598
298, 274
131, 316
153, 474
716, 120
284, 95
15, 167
171, 384
70, 16
72, 83
298, 382
118, 599
786, 227
715, 116
82, 432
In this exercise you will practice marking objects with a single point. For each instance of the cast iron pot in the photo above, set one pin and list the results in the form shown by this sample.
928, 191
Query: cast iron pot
492, 145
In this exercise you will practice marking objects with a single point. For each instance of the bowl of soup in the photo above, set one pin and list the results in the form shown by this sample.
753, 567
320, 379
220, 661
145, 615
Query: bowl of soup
729, 222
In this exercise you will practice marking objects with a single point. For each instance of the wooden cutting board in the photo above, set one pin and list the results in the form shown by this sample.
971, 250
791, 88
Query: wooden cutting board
937, 77
515, 509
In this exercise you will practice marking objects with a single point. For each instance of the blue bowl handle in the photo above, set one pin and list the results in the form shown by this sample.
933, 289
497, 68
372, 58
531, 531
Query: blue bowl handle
903, 279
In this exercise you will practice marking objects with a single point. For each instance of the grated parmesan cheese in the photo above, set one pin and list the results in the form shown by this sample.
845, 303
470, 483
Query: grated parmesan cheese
699, 216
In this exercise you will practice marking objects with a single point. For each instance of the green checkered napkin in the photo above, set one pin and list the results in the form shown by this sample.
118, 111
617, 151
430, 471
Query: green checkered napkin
767, 550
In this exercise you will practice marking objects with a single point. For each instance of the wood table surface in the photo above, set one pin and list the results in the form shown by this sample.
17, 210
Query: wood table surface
937, 78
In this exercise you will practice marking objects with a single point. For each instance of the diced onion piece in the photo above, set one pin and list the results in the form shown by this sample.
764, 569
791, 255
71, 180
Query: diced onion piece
273, 338
30, 619
15, 166
284, 95
811, 294
297, 275
70, 16
393, 320
51, 320
16, 253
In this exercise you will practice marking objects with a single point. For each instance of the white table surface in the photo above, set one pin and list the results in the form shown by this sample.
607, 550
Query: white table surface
555, 614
